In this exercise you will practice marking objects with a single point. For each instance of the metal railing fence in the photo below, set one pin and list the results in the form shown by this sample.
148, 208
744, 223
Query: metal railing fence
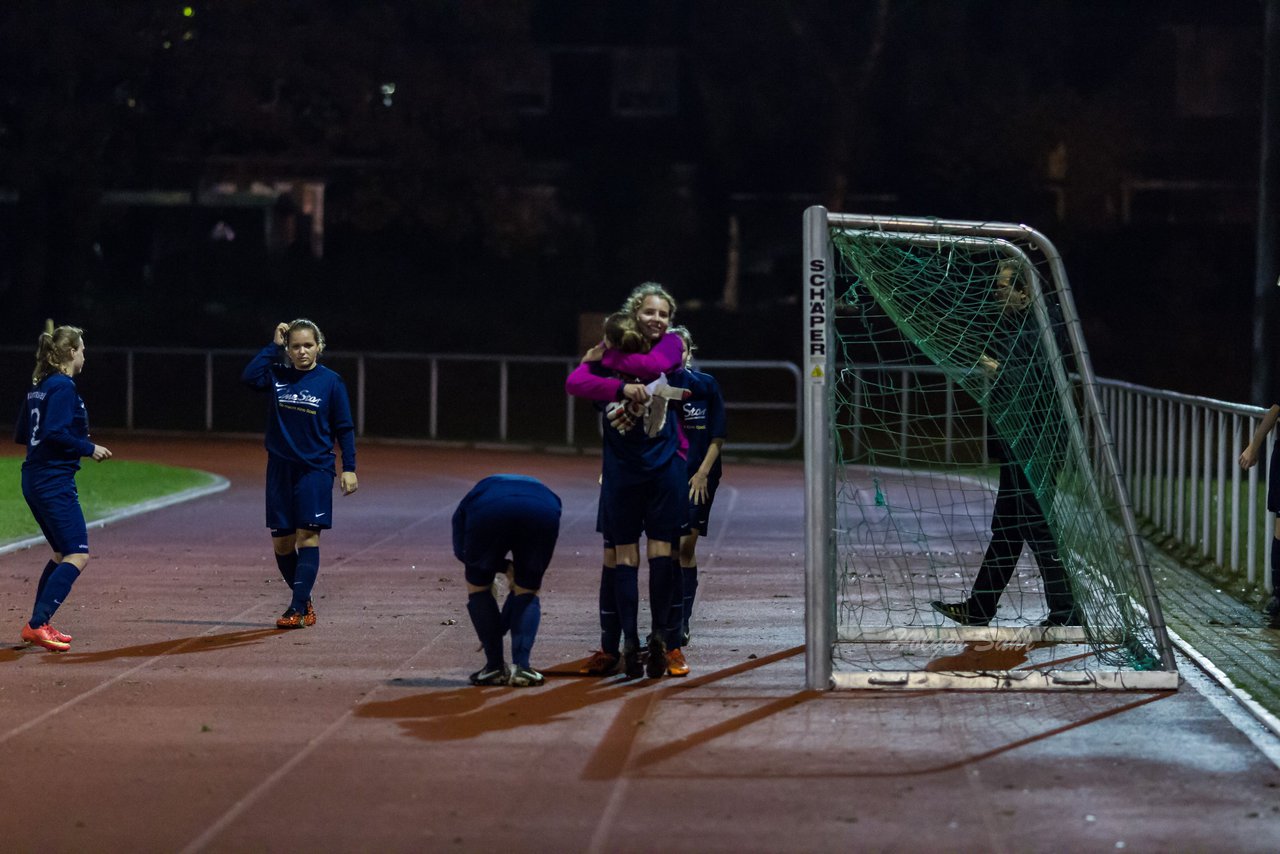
468, 398
1178, 453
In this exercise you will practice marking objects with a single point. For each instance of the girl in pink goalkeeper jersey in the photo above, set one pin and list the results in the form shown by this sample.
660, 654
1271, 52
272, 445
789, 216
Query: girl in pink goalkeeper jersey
639, 491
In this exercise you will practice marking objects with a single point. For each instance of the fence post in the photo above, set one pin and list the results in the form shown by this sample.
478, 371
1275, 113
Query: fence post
433, 420
1220, 551
904, 407
208, 391
504, 378
568, 412
360, 368
1234, 531
1206, 493
1180, 493
128, 389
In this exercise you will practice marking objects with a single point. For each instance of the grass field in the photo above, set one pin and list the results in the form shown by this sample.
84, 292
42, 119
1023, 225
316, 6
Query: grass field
104, 489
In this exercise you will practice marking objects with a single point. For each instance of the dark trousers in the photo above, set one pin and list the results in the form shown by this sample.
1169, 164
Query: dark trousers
1017, 520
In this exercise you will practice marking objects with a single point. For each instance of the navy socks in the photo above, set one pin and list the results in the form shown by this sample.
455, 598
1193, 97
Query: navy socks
506, 612
56, 589
288, 565
689, 586
525, 615
44, 576
483, 609
666, 599
610, 622
626, 586
304, 577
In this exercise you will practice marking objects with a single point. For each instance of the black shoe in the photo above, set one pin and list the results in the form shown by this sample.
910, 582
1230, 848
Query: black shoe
656, 666
1272, 608
632, 666
491, 676
958, 612
525, 677
1071, 618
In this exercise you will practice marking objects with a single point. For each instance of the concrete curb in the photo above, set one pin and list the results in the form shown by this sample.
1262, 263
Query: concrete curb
219, 484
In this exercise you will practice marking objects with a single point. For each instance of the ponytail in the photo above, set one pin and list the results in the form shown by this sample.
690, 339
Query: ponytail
53, 351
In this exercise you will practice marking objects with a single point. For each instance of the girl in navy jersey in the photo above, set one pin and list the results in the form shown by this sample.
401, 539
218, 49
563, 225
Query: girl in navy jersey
54, 426
309, 411
702, 421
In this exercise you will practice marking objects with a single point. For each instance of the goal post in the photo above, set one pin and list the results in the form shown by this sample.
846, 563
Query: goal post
928, 343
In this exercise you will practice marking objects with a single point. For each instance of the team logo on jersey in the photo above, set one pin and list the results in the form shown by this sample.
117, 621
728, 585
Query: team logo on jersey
301, 397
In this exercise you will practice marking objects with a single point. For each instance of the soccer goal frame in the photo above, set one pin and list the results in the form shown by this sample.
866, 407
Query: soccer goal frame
1089, 436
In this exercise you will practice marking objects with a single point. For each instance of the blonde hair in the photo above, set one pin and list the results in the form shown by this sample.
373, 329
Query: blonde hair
303, 323
621, 334
649, 289
689, 346
54, 349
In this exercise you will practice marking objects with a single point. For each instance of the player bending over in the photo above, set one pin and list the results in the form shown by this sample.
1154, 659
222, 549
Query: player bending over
506, 514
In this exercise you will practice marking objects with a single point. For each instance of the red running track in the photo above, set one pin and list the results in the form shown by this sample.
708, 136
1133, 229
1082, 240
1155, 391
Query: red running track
183, 721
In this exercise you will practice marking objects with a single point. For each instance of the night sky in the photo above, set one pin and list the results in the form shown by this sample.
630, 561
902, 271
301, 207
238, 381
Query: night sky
493, 169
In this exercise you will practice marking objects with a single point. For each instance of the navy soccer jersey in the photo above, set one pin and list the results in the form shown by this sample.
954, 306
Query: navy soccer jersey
309, 409
633, 456
507, 514
54, 426
702, 417
642, 483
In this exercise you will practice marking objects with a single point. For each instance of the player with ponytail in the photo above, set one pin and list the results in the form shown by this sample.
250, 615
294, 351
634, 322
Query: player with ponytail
54, 427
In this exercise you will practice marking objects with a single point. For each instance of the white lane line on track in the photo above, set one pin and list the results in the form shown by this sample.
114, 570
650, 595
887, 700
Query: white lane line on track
618, 792
399, 532
102, 686
252, 796
1245, 713
238, 808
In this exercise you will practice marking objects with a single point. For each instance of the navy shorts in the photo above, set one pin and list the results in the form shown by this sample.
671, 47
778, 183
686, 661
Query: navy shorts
657, 506
526, 529
601, 527
298, 496
55, 504
700, 514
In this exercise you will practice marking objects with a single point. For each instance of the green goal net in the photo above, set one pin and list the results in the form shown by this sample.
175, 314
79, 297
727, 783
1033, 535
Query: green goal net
967, 526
